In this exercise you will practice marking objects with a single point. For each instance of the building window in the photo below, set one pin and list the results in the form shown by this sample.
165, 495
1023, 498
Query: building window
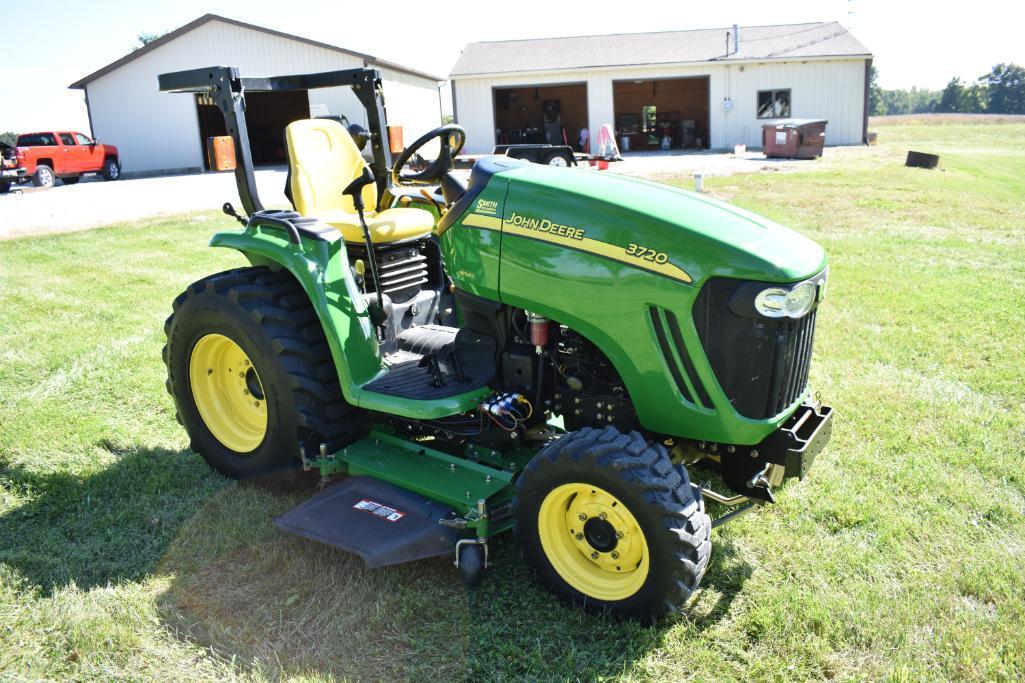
773, 104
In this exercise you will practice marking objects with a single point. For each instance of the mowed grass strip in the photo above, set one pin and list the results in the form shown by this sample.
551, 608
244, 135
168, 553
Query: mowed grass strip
123, 556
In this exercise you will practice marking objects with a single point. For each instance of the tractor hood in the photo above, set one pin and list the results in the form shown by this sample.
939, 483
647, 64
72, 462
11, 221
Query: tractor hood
701, 236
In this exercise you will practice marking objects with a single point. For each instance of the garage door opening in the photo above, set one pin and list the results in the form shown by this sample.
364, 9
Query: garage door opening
553, 114
267, 114
667, 113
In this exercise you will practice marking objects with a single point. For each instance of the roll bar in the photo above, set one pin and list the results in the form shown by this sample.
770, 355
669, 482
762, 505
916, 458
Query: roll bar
227, 88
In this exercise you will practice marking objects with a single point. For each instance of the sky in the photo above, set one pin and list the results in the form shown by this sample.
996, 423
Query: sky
915, 42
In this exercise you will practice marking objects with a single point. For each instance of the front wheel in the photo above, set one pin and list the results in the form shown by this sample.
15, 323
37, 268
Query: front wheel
607, 522
251, 374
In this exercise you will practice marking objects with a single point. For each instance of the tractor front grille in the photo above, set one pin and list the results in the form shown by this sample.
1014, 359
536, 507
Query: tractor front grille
762, 364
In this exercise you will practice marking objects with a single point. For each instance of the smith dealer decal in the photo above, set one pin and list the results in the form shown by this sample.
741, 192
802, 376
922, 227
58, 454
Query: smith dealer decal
487, 207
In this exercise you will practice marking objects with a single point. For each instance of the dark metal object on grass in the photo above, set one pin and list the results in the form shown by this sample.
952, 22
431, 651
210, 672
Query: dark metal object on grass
922, 160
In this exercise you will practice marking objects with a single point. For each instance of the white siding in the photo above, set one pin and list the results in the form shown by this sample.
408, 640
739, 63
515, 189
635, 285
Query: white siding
827, 89
157, 131
413, 103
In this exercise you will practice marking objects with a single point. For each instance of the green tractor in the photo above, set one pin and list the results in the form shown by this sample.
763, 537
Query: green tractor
549, 351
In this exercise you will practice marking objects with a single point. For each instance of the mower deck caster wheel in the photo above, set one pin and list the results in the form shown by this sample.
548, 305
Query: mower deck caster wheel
471, 563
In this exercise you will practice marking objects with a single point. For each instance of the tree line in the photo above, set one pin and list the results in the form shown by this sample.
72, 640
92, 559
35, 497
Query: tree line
1001, 91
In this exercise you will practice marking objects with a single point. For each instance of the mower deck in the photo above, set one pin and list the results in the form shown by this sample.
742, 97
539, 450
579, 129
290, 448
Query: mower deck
381, 523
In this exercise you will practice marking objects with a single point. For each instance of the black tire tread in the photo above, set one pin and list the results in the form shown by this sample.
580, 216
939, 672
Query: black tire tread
277, 303
647, 470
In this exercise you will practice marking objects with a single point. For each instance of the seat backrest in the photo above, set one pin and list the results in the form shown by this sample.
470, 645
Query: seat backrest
323, 160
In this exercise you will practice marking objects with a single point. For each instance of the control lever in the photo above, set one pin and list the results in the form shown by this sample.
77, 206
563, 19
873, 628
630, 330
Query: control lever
229, 210
432, 200
355, 190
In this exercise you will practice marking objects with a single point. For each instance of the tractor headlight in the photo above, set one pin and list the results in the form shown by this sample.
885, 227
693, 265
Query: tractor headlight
800, 300
789, 302
769, 302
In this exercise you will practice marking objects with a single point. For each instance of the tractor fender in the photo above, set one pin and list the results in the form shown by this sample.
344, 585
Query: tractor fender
321, 268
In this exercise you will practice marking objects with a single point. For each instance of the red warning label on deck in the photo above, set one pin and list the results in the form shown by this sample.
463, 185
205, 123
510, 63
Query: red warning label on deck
379, 510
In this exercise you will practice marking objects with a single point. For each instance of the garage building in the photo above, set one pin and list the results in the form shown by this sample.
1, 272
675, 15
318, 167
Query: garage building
701, 89
165, 133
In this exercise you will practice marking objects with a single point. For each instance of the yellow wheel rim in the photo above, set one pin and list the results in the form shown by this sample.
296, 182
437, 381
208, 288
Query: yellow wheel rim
593, 541
228, 393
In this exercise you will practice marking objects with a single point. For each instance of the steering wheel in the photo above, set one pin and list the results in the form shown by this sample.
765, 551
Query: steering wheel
452, 139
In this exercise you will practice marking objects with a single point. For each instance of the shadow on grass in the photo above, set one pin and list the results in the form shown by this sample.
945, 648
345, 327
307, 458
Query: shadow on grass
104, 527
275, 605
280, 606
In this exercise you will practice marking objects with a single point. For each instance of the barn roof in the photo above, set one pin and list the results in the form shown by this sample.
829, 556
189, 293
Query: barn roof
206, 18
757, 43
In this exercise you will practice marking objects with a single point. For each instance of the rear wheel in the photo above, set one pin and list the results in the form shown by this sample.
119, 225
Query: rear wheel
43, 177
606, 521
111, 169
5, 187
251, 374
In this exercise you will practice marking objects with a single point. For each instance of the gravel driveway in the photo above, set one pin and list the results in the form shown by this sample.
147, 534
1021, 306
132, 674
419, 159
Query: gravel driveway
94, 202
658, 164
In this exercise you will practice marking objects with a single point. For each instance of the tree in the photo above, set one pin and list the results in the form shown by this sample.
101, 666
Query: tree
974, 98
1005, 86
876, 106
923, 101
147, 38
952, 95
8, 138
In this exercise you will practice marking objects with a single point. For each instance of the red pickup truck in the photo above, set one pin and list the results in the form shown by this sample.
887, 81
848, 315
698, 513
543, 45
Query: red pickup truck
44, 157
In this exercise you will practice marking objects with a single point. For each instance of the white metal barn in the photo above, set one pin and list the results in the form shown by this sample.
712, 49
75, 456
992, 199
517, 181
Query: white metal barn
158, 132
709, 88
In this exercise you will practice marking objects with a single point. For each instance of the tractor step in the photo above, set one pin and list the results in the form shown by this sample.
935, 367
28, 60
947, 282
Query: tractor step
379, 522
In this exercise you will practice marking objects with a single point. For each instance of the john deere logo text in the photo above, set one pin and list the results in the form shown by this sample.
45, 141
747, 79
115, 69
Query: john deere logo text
545, 225
487, 206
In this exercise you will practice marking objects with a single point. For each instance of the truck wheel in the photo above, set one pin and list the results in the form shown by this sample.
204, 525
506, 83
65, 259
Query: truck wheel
561, 159
111, 169
251, 374
43, 177
70, 180
607, 522
5, 187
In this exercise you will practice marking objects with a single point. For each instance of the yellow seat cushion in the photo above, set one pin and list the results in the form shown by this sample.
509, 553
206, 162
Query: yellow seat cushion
323, 160
390, 225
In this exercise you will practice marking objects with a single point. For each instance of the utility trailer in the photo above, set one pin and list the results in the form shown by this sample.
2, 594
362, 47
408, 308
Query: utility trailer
549, 155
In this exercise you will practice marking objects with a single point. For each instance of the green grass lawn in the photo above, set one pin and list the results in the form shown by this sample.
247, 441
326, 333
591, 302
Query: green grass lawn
902, 555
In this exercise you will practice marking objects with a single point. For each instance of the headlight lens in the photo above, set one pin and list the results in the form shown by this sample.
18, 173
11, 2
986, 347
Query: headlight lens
779, 302
770, 302
800, 300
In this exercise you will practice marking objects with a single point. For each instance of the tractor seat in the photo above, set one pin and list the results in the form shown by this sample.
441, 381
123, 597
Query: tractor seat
390, 225
322, 161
